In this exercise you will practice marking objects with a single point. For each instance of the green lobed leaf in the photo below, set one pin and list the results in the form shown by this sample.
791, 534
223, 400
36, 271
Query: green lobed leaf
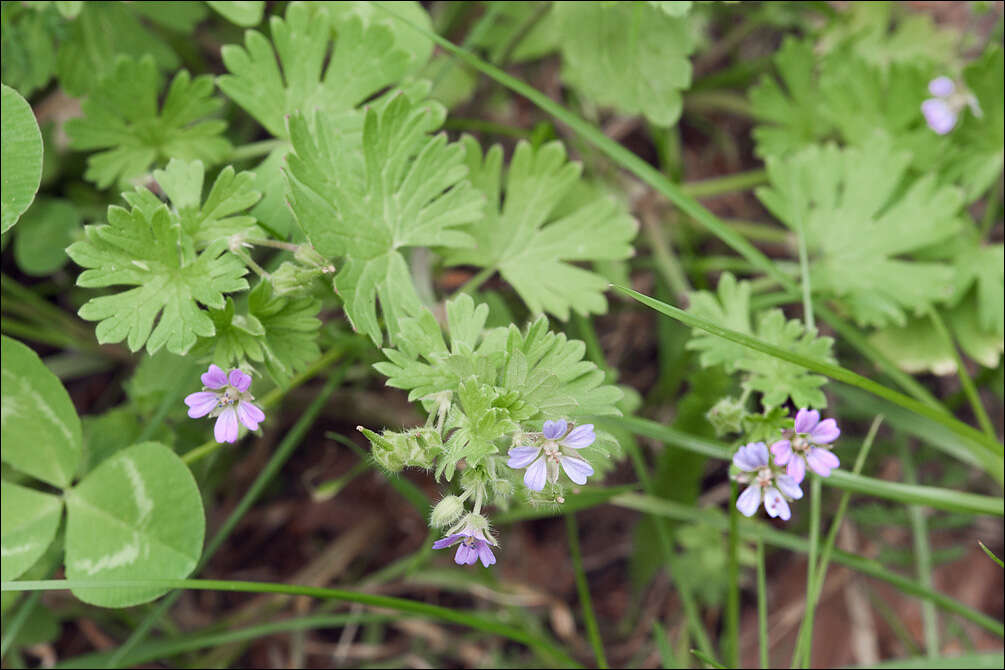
144, 247
29, 519
137, 515
122, 118
405, 189
525, 237
775, 379
861, 221
418, 47
244, 13
20, 157
41, 429
221, 215
602, 41
28, 46
103, 31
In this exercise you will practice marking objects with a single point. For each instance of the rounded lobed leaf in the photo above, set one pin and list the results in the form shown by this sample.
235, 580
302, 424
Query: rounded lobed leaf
138, 515
20, 157
29, 520
41, 429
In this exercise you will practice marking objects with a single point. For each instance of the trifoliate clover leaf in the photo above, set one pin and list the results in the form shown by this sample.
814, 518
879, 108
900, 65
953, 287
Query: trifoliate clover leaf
861, 220
404, 189
221, 215
529, 244
121, 117
144, 247
602, 42
775, 379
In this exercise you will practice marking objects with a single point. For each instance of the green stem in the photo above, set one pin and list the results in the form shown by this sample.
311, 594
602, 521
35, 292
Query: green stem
804, 646
461, 618
710, 188
255, 149
965, 381
804, 273
804, 641
923, 557
991, 208
666, 262
472, 285
763, 643
718, 101
731, 654
14, 625
592, 631
283, 452
487, 127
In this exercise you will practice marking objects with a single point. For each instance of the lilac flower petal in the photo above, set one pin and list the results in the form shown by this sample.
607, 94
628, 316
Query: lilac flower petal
822, 461
239, 380
214, 378
825, 432
789, 486
554, 429
226, 426
201, 403
742, 460
581, 436
939, 116
521, 457
250, 415
759, 453
536, 474
796, 469
941, 87
782, 451
775, 504
466, 555
485, 554
447, 541
749, 500
806, 419
577, 469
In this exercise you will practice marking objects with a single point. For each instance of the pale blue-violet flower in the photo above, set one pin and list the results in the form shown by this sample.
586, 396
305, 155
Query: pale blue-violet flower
767, 483
809, 443
225, 396
556, 448
475, 542
943, 111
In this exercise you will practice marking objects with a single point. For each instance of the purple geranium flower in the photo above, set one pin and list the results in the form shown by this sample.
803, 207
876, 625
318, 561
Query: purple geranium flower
808, 444
542, 461
767, 483
476, 543
943, 111
225, 396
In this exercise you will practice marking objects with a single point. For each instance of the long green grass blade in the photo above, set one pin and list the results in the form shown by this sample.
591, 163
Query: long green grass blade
935, 497
973, 437
753, 530
675, 194
459, 617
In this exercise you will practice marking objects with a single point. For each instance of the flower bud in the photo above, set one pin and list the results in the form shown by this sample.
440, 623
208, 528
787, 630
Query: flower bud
446, 511
726, 416
308, 255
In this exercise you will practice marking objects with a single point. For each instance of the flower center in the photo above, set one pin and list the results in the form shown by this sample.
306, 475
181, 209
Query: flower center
764, 476
228, 397
800, 442
468, 541
551, 450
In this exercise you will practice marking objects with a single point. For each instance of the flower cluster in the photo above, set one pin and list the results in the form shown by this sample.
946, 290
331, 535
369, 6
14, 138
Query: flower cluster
544, 455
225, 396
808, 443
943, 111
